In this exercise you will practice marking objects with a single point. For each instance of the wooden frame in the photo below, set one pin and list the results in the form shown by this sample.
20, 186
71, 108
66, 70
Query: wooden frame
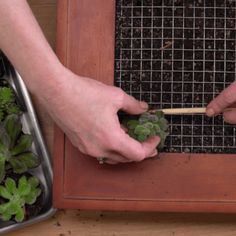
173, 182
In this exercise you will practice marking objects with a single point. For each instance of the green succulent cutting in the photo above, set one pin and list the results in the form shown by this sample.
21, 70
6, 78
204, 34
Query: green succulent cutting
17, 195
148, 125
15, 146
7, 103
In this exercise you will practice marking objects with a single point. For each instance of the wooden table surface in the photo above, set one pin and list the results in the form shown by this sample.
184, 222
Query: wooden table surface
75, 222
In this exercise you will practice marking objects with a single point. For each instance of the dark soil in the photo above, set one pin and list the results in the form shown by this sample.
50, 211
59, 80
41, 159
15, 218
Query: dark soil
179, 53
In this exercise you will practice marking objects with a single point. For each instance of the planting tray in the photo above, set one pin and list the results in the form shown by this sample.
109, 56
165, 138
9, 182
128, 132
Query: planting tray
171, 54
179, 54
31, 126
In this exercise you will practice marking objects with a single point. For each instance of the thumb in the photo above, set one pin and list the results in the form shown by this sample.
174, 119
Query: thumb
222, 101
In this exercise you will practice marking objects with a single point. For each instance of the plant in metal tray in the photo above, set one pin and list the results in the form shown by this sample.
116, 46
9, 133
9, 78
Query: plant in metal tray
15, 147
148, 125
17, 195
7, 103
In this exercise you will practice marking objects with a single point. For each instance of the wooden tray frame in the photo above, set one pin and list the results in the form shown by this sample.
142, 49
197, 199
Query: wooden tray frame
188, 182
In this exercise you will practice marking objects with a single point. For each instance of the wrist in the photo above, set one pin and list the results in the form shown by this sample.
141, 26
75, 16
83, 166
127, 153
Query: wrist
47, 83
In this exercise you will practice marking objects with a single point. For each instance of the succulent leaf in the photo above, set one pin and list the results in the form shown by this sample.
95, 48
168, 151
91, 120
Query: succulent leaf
23, 144
4, 138
23, 187
12, 208
6, 216
17, 195
13, 109
148, 125
3, 149
159, 114
142, 137
8, 103
163, 123
131, 124
17, 166
3, 207
15, 147
141, 130
6, 95
2, 167
13, 127
32, 197
153, 118
20, 215
5, 193
131, 133
157, 128
29, 159
33, 181
143, 120
10, 185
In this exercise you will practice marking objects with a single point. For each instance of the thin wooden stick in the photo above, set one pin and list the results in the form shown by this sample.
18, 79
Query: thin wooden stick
181, 111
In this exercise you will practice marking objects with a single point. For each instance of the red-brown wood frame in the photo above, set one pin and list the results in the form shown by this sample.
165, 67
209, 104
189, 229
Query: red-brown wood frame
173, 182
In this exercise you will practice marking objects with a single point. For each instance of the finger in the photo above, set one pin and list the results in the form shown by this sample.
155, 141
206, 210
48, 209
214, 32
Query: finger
115, 157
230, 116
133, 106
154, 153
135, 150
110, 162
222, 101
117, 160
151, 144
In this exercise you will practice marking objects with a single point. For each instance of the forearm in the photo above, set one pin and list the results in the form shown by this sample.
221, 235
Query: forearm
22, 40
73, 102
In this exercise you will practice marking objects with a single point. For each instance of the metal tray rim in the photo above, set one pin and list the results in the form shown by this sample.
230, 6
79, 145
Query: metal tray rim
32, 114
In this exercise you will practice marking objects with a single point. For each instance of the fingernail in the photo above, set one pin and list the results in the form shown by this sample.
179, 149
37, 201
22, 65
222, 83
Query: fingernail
144, 105
210, 112
228, 110
154, 153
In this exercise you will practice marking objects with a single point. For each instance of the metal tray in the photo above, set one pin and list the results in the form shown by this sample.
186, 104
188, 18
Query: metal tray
30, 125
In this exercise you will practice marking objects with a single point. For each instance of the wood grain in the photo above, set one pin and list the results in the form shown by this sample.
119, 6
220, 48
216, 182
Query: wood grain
66, 223
186, 182
45, 12
181, 111
83, 223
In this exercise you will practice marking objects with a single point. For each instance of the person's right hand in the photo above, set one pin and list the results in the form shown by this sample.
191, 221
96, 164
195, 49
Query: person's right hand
223, 103
86, 110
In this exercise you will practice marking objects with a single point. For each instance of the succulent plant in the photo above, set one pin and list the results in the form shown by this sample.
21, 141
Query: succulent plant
148, 125
7, 103
17, 195
15, 146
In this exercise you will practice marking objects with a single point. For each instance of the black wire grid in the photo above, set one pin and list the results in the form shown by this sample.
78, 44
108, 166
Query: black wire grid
176, 53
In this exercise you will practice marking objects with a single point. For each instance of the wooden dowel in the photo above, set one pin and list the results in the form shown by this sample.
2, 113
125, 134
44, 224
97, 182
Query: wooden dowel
181, 111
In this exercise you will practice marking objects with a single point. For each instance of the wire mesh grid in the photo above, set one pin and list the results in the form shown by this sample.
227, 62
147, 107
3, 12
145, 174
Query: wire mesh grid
179, 53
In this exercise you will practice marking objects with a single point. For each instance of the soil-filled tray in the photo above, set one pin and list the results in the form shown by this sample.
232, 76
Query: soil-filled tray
187, 181
28, 172
179, 54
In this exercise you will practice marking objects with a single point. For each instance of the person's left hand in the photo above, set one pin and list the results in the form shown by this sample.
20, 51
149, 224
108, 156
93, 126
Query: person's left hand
223, 104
